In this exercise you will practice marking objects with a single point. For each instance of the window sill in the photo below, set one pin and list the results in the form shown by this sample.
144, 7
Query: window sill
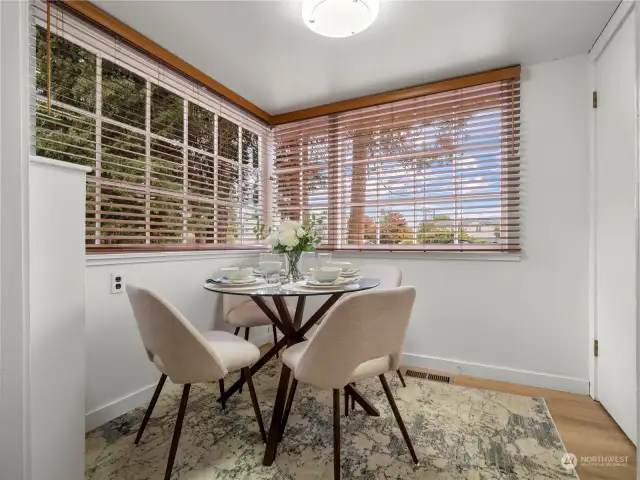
448, 256
95, 260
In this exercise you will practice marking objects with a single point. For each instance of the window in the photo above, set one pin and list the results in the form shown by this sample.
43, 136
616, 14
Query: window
439, 172
174, 166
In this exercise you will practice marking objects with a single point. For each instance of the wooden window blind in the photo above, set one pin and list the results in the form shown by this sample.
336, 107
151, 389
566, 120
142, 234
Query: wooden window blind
175, 167
436, 173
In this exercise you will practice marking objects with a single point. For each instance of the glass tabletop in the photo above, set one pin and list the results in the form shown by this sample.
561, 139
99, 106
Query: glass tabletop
297, 289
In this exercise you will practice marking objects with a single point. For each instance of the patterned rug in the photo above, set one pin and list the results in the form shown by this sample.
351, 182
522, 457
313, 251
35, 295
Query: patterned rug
458, 433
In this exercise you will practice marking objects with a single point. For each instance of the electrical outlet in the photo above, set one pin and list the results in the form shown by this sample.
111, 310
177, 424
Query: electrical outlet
117, 283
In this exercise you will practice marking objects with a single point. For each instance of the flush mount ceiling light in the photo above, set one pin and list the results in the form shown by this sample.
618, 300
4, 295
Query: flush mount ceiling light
339, 18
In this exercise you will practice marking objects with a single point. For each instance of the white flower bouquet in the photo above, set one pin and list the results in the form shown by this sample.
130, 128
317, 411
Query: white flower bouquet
292, 238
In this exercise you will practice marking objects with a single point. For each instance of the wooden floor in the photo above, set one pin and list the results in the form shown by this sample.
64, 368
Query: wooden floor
585, 427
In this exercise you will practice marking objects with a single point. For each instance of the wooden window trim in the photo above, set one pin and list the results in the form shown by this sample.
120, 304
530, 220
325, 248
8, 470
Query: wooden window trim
397, 95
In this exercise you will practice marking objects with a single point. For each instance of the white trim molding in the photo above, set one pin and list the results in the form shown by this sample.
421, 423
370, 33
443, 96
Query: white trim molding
119, 407
60, 164
15, 134
94, 260
448, 256
522, 377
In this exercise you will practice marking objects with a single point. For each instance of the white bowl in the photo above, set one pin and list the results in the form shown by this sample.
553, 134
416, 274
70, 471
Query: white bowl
237, 273
326, 274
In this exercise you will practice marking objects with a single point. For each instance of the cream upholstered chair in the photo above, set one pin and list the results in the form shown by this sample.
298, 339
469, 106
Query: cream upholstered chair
390, 277
187, 356
355, 341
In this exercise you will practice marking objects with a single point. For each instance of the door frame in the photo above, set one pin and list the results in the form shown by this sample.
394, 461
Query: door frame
15, 93
624, 9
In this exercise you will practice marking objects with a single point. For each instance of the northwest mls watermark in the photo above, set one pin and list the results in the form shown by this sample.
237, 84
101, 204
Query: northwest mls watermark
571, 461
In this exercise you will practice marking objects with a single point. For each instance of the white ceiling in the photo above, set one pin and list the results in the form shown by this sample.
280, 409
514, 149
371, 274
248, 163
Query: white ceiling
262, 50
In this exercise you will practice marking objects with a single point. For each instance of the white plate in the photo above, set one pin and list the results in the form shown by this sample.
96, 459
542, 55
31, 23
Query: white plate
303, 287
337, 283
350, 273
249, 281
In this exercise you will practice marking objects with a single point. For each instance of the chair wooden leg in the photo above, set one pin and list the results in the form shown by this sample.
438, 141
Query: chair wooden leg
246, 338
275, 339
287, 408
396, 413
150, 408
221, 383
346, 403
254, 400
353, 400
237, 331
401, 378
336, 434
177, 430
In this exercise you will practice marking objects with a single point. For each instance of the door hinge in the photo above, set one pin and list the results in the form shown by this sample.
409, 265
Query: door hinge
595, 348
595, 99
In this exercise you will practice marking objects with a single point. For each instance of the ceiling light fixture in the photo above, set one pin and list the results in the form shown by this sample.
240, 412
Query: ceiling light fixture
339, 18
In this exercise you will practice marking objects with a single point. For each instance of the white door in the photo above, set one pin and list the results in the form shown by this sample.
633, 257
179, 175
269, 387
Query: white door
615, 236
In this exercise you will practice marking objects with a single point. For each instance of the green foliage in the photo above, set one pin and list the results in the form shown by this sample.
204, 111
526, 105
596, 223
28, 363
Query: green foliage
73, 71
124, 95
228, 138
167, 114
201, 128
432, 232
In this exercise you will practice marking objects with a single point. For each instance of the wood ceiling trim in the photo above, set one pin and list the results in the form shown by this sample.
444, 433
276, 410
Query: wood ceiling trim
102, 18
396, 95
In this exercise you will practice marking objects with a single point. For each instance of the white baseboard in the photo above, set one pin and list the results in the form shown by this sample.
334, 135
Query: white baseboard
119, 407
522, 377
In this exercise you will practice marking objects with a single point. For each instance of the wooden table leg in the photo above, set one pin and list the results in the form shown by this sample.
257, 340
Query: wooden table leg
283, 386
276, 418
297, 319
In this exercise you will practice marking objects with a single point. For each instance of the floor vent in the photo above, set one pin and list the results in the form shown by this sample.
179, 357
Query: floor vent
430, 376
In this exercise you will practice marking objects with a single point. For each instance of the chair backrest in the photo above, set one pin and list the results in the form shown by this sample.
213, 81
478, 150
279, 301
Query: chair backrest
389, 275
231, 302
172, 343
359, 327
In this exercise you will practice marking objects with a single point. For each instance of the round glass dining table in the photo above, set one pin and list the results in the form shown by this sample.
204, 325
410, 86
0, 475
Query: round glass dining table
293, 332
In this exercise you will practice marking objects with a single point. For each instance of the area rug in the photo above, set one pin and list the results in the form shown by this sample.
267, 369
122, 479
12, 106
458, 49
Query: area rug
457, 432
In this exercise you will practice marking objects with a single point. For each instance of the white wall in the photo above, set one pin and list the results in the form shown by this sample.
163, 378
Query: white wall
521, 321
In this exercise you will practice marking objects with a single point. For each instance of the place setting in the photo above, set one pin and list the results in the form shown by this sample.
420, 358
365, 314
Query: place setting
321, 273
237, 277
